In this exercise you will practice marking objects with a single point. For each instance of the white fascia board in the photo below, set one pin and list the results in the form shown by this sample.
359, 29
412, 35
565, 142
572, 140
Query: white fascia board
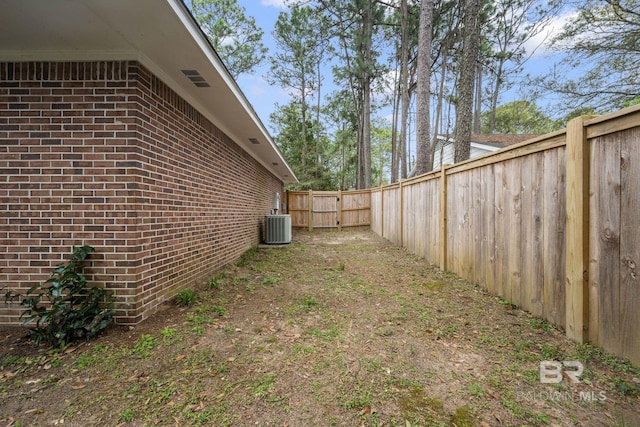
204, 45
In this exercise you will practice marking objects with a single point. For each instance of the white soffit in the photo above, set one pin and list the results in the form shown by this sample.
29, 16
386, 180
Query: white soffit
161, 34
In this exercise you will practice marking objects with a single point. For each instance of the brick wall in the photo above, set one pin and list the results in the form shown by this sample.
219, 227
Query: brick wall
105, 154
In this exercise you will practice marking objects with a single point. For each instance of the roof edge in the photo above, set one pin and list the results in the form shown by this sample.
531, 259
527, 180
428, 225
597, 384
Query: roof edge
189, 21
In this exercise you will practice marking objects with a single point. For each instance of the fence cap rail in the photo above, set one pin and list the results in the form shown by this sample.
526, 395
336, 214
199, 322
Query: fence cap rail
614, 122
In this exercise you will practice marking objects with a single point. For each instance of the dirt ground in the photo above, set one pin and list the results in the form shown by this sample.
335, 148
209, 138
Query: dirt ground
337, 329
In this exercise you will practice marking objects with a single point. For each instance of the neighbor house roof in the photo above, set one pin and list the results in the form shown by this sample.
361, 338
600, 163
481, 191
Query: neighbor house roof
480, 144
160, 34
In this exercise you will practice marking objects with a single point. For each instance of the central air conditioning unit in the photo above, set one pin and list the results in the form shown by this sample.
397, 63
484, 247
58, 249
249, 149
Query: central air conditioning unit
277, 229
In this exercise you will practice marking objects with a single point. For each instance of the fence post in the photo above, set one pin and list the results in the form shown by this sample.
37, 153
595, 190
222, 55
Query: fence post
382, 211
401, 219
339, 210
577, 231
310, 213
443, 217
286, 201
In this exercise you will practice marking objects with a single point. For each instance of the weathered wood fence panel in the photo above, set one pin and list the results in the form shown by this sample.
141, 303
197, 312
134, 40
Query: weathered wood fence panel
551, 224
329, 209
418, 210
356, 208
298, 207
376, 214
630, 243
553, 235
614, 250
391, 213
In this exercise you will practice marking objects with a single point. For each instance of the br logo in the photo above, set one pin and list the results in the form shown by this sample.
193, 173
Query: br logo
552, 372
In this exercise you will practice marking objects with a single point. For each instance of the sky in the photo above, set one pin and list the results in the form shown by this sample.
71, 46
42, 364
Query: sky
260, 94
264, 97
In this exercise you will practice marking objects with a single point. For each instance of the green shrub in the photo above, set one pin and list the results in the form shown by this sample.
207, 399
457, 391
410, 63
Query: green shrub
65, 308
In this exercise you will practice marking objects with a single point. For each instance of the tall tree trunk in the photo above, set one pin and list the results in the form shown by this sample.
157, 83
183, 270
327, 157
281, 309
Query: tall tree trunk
404, 72
344, 164
464, 105
477, 117
367, 30
356, 98
303, 129
423, 152
495, 96
319, 128
437, 129
403, 159
366, 136
394, 129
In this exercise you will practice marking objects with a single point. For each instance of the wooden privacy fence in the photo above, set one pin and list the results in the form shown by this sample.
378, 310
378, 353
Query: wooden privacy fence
329, 209
551, 224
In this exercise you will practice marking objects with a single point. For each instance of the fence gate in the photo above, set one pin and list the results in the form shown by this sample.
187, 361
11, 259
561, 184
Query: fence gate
329, 209
324, 210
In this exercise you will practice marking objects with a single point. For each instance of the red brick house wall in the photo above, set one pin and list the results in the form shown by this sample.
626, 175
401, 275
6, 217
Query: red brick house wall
105, 154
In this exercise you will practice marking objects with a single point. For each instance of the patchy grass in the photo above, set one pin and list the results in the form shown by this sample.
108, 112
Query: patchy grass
335, 329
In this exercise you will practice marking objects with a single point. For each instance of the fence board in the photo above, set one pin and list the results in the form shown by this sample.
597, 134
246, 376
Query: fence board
514, 219
477, 248
472, 244
526, 238
490, 221
391, 214
553, 296
376, 214
443, 218
498, 287
411, 203
415, 229
536, 273
453, 233
487, 201
630, 246
431, 220
605, 245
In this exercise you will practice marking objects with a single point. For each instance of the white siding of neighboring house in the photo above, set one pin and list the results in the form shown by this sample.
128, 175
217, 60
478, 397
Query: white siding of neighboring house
445, 155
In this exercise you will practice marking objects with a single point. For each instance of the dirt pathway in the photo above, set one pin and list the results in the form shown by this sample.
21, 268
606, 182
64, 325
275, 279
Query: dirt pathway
335, 329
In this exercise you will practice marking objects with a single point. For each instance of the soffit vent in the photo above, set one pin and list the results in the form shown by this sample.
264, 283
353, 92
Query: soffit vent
195, 78
254, 141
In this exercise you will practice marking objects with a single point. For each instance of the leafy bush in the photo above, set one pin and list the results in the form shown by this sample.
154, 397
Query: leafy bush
64, 308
